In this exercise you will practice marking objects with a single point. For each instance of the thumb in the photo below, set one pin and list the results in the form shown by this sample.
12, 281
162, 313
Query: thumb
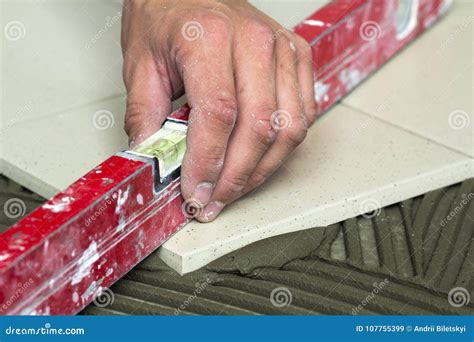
148, 99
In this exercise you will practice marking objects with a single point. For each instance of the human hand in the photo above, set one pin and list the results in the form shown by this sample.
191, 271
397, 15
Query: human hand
248, 81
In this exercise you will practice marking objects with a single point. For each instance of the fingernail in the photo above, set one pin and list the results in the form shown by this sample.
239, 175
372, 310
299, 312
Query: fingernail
203, 192
211, 211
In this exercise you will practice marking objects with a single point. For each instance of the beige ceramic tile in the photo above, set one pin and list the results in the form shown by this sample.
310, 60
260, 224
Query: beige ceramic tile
349, 164
48, 154
58, 55
289, 13
428, 87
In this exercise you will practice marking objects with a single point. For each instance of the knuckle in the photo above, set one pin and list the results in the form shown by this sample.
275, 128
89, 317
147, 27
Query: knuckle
264, 133
211, 157
262, 33
212, 152
215, 25
296, 134
265, 109
234, 185
260, 176
223, 109
217, 22
135, 110
133, 116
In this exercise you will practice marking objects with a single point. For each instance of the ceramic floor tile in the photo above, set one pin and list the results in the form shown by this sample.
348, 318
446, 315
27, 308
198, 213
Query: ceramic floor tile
349, 164
58, 55
48, 154
289, 13
428, 87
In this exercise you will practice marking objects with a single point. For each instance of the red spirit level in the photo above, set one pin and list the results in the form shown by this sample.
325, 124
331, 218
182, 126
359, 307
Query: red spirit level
59, 258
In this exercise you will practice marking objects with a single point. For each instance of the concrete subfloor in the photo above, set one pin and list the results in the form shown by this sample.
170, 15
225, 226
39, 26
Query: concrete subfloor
402, 259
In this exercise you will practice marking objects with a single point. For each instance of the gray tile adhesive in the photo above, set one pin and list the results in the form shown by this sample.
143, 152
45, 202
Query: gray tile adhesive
402, 259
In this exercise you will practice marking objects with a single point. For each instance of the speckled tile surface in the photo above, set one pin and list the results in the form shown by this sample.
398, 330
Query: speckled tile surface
61, 64
48, 154
348, 164
425, 91
403, 259
58, 55
428, 87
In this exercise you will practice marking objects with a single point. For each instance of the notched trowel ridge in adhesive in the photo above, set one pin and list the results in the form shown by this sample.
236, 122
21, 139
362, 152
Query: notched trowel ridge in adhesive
314, 256
309, 264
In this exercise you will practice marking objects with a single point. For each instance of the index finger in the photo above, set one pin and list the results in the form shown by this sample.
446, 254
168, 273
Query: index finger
206, 68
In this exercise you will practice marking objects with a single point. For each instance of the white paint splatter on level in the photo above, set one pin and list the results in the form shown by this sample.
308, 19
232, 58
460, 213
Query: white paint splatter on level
313, 22
104, 260
121, 199
93, 288
321, 91
59, 205
85, 262
350, 78
120, 226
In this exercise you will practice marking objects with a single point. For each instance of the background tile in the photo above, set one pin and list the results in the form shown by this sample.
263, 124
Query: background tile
48, 154
428, 87
58, 55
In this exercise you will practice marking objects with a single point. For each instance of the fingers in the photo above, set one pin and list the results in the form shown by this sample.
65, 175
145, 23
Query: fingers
253, 133
148, 96
248, 82
304, 66
206, 67
252, 158
290, 120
